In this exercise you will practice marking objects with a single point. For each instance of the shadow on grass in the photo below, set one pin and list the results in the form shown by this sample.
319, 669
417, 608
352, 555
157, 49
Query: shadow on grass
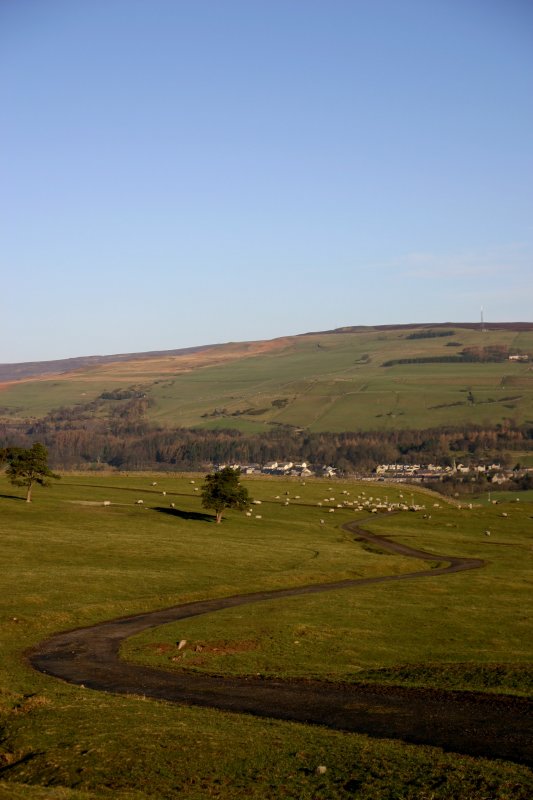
12, 497
177, 512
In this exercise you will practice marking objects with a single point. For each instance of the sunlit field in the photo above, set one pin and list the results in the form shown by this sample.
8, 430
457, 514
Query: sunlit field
68, 560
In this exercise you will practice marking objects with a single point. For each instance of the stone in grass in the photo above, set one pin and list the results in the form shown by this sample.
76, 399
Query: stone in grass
181, 644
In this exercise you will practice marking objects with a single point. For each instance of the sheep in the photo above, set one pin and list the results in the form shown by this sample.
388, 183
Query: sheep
107, 502
258, 516
140, 502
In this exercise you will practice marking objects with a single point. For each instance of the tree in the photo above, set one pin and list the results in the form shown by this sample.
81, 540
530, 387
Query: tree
223, 490
26, 467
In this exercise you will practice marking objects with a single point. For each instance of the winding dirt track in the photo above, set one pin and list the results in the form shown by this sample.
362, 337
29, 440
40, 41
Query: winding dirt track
494, 726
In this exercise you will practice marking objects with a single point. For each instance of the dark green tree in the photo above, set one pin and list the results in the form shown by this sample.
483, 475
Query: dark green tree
27, 467
223, 490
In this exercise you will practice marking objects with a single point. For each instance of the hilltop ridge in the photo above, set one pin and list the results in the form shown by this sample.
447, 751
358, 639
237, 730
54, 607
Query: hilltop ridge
28, 369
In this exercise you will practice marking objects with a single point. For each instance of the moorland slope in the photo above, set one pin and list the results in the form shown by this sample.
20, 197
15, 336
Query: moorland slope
379, 378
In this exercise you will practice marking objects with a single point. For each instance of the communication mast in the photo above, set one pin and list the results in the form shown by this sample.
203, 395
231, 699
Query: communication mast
483, 329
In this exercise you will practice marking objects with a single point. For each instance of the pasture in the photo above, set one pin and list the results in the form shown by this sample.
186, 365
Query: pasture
321, 382
70, 561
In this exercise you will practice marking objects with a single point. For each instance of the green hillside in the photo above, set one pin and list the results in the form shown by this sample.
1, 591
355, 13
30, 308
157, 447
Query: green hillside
320, 382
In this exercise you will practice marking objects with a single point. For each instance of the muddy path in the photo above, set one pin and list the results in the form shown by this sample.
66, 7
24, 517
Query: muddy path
493, 726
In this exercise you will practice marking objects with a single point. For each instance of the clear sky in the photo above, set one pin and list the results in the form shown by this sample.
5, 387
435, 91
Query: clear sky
184, 172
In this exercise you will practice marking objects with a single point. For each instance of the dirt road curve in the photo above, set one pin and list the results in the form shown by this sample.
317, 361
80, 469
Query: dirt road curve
463, 722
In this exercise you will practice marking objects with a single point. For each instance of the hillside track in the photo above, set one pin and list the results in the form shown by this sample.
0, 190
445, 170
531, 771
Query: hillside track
476, 724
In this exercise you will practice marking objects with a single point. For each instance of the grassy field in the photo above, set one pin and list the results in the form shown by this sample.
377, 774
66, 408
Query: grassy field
68, 560
322, 382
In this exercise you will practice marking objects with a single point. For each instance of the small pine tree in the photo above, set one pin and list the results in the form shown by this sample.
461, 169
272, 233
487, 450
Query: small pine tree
27, 467
223, 490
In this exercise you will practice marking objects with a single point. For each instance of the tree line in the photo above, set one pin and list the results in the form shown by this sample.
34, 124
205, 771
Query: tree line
129, 442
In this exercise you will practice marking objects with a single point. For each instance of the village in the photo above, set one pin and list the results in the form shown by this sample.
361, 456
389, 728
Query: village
396, 473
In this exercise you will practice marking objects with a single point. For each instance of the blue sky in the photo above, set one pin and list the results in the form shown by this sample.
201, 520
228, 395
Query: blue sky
183, 172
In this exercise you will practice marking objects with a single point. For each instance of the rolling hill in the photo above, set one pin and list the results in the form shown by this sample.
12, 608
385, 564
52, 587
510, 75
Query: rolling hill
355, 378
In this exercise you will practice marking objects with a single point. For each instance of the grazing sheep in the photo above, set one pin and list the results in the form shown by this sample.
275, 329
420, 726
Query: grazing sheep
258, 516
331, 510
107, 502
140, 502
154, 483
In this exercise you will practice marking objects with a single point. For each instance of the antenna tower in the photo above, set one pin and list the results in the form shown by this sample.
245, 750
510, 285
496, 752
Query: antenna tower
482, 322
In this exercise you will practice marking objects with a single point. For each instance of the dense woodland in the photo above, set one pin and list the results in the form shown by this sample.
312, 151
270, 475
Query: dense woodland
84, 438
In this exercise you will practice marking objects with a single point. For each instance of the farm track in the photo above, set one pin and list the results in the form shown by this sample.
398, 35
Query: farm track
476, 724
